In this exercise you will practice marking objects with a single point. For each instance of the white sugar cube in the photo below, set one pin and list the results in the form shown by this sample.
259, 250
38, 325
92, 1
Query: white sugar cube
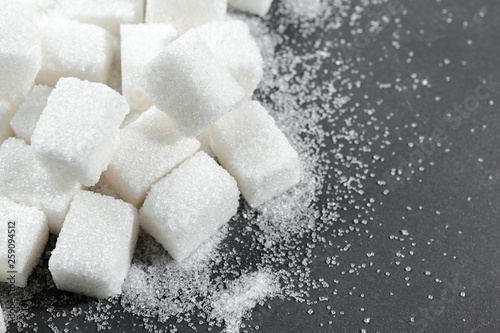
95, 247
259, 7
235, 48
185, 14
108, 14
150, 148
23, 235
79, 129
183, 209
26, 117
20, 53
6, 113
188, 83
74, 49
3, 328
256, 153
24, 180
140, 43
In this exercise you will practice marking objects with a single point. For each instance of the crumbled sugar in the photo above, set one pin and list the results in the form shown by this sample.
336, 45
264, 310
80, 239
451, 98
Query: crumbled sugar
3, 328
79, 145
158, 286
150, 148
259, 7
185, 14
74, 49
109, 14
233, 304
204, 89
231, 43
140, 43
183, 209
95, 247
23, 230
6, 113
24, 180
20, 54
256, 153
24, 121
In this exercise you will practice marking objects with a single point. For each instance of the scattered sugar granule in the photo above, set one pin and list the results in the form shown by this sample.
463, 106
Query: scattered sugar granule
233, 304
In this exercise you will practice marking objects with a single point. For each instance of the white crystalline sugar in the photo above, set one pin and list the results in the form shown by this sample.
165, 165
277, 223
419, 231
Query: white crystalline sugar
231, 43
79, 129
259, 7
74, 49
115, 72
20, 53
185, 14
24, 180
140, 43
159, 286
3, 328
6, 113
150, 148
23, 235
204, 139
188, 83
256, 153
184, 209
95, 247
24, 121
234, 303
108, 14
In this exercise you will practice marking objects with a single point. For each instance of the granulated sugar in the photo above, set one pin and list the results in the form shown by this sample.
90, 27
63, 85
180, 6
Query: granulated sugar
234, 303
218, 285
158, 286
309, 89
222, 287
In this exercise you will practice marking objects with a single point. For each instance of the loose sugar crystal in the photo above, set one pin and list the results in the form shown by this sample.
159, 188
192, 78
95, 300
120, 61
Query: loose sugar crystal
256, 153
259, 7
20, 53
235, 48
242, 294
3, 328
24, 180
140, 43
6, 112
74, 49
188, 83
108, 14
24, 121
23, 235
150, 148
95, 246
183, 209
185, 14
79, 129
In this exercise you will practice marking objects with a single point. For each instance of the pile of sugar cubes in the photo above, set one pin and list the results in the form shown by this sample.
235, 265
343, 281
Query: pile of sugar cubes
177, 146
